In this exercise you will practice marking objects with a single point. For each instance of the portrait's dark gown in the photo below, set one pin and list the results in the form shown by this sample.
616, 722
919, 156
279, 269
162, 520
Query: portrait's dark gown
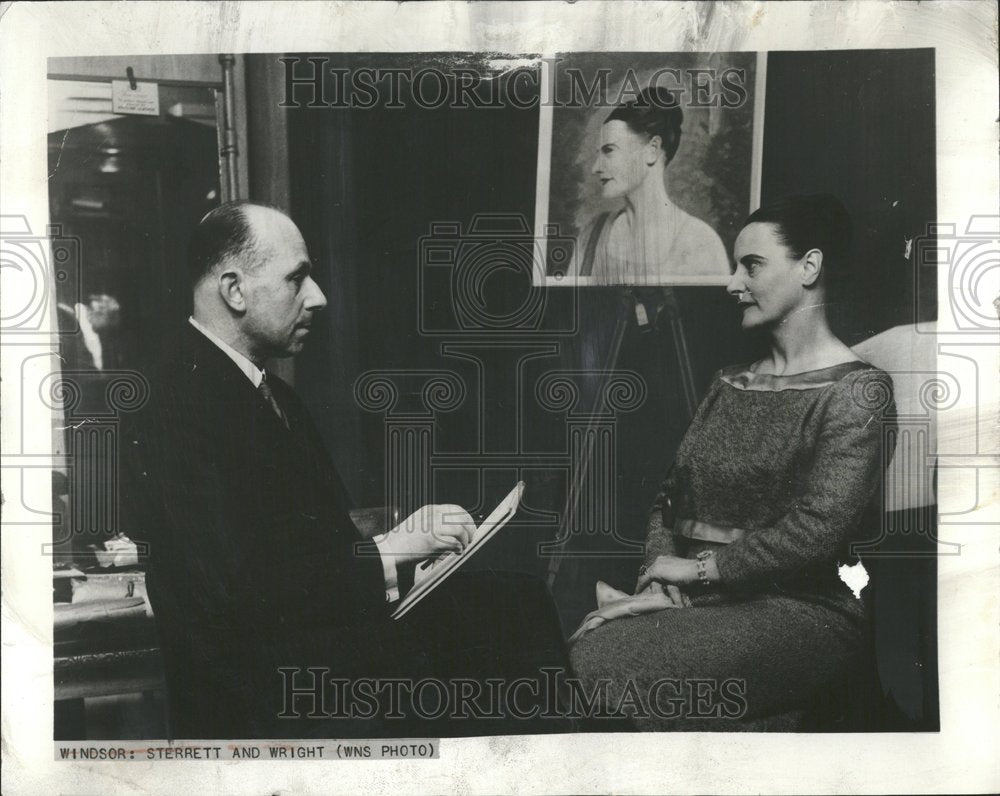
776, 475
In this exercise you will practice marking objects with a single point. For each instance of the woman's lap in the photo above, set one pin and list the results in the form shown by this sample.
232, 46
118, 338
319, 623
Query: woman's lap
713, 664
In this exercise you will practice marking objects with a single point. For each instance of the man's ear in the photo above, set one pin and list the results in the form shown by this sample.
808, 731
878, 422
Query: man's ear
812, 267
231, 284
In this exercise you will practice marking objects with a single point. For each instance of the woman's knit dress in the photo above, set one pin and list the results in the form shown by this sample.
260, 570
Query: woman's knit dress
776, 475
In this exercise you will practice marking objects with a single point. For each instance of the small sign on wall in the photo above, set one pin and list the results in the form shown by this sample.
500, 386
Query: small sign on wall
143, 99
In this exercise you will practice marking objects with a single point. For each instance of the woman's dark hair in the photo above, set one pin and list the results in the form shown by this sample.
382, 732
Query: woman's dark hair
811, 221
654, 112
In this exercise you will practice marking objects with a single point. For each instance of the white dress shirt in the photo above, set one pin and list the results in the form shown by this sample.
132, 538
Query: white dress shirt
256, 376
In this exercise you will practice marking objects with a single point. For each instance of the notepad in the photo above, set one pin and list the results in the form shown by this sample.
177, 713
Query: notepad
430, 574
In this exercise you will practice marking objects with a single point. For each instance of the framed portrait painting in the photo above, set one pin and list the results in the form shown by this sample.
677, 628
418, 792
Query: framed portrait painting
648, 163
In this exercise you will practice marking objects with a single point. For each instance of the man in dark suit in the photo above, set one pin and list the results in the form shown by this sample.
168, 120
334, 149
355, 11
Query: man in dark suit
254, 563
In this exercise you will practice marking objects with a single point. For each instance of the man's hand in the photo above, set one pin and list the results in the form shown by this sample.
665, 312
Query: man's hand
430, 531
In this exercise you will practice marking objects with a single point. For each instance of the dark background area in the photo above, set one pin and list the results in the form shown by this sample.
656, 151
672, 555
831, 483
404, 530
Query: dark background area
132, 210
367, 185
860, 124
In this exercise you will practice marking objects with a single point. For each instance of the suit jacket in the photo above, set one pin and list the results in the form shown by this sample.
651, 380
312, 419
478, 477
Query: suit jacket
253, 561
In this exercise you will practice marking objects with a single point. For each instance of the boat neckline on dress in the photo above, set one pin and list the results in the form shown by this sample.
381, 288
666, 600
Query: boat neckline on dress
742, 377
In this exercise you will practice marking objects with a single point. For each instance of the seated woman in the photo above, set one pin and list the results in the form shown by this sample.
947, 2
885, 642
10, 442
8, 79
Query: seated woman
648, 240
770, 485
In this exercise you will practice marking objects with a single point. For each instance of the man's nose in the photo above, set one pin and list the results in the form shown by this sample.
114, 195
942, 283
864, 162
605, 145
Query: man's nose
315, 300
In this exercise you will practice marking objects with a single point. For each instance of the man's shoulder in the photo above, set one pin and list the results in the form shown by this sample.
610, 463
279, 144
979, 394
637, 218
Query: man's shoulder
193, 374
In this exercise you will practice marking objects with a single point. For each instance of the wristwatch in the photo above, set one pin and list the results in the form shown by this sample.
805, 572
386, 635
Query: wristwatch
701, 566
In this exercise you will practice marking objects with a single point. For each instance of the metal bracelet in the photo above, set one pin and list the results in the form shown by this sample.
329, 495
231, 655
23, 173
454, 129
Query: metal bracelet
701, 567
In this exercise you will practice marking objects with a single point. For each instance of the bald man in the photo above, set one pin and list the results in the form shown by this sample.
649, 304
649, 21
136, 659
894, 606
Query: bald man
254, 564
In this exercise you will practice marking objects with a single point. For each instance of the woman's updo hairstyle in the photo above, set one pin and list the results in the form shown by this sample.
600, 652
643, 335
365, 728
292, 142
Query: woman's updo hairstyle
654, 112
811, 221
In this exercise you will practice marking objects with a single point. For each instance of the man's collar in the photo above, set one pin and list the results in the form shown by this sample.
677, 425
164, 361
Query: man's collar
250, 370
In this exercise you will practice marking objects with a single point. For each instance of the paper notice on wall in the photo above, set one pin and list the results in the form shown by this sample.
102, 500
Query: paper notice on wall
143, 100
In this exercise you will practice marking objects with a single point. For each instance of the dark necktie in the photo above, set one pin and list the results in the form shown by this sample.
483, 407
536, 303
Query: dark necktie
267, 394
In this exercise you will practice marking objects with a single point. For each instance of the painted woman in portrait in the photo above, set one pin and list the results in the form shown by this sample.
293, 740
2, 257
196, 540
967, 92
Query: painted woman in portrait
648, 239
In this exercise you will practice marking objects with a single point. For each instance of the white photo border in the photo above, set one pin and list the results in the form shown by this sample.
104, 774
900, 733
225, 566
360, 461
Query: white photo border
959, 758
